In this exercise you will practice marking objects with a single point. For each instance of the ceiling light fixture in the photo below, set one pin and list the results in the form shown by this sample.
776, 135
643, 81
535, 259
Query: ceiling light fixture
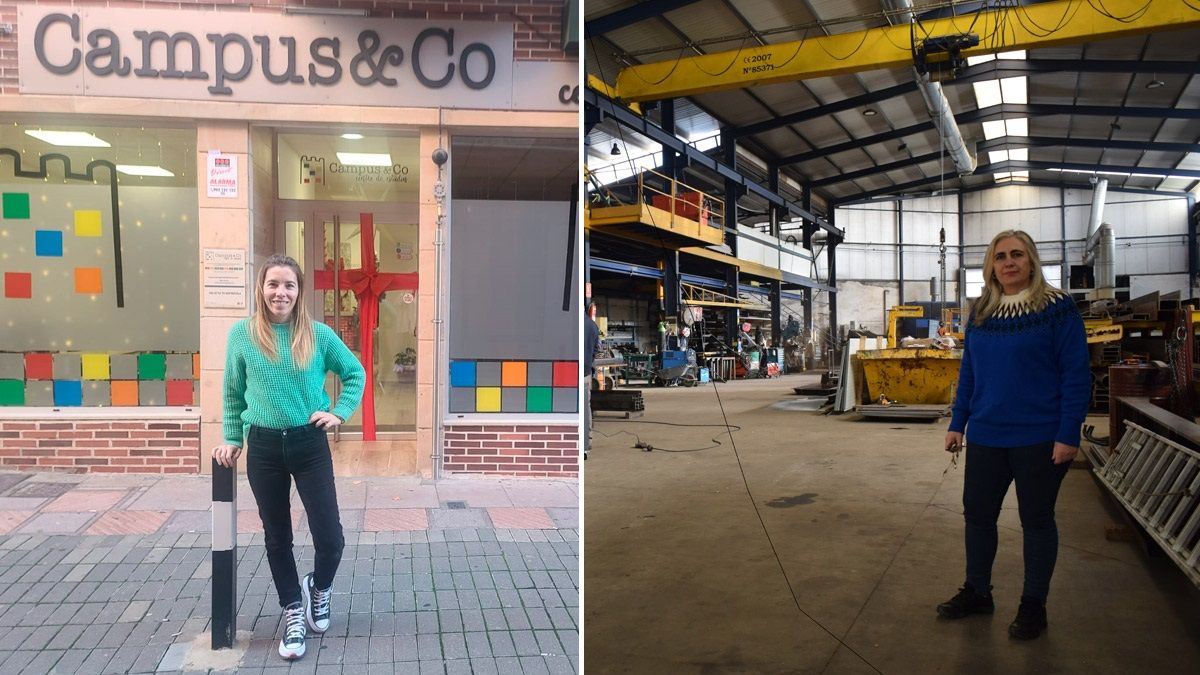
352, 137
144, 170
365, 158
870, 112
615, 150
1155, 83
74, 139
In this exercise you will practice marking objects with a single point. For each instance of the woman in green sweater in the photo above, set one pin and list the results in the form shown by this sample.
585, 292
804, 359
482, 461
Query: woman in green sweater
275, 400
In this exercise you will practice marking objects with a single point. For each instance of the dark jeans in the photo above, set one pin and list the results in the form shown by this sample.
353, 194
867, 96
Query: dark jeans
273, 458
988, 474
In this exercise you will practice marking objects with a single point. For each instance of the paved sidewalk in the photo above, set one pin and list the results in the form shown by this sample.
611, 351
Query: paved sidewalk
111, 574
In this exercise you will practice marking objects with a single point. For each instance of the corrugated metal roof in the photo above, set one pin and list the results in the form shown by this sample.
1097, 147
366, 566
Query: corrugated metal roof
715, 25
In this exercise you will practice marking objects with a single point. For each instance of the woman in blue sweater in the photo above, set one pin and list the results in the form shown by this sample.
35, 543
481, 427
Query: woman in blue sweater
275, 400
1023, 391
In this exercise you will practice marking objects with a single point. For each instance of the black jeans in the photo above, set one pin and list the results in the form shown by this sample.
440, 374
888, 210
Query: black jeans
989, 472
273, 458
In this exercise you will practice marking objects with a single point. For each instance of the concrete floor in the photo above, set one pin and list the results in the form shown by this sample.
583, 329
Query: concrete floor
681, 577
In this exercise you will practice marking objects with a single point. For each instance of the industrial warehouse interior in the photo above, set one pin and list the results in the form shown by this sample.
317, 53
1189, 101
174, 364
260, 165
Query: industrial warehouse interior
788, 214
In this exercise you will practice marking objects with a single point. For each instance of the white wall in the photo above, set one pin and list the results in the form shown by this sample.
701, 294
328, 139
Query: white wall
1151, 242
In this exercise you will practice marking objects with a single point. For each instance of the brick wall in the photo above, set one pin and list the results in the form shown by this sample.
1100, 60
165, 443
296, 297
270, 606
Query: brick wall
537, 32
512, 450
101, 446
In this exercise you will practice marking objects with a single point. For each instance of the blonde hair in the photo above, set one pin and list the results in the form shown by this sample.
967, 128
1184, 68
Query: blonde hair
1039, 291
261, 332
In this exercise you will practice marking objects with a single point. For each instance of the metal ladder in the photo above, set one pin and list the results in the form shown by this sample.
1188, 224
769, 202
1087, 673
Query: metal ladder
1158, 483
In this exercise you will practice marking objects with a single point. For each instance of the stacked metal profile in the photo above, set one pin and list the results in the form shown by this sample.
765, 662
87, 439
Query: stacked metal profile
1158, 483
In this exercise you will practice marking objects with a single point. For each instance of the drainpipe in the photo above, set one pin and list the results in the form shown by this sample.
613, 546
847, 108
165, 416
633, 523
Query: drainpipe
939, 107
439, 243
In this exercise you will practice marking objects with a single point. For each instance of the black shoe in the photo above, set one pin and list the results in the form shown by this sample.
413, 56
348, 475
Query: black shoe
1030, 621
291, 647
967, 602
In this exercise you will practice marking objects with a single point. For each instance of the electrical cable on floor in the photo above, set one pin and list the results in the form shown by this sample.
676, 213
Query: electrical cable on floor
642, 445
775, 551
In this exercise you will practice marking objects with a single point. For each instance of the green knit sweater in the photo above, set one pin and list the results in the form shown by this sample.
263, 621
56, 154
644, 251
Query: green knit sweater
276, 395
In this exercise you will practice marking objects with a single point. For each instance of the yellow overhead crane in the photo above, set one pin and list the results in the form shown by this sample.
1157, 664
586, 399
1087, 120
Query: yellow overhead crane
999, 30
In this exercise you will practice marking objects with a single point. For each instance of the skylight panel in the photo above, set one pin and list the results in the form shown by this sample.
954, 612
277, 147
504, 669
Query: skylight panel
987, 93
1015, 89
983, 58
1017, 126
993, 129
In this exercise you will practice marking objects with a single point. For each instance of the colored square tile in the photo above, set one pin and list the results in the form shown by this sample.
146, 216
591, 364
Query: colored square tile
539, 374
12, 366
152, 367
512, 374
68, 392
196, 366
15, 205
39, 366
512, 399
87, 223
48, 243
566, 399
487, 373
67, 367
462, 399
12, 392
88, 280
95, 366
96, 394
152, 392
39, 394
462, 373
539, 399
179, 366
18, 285
123, 367
487, 399
124, 392
179, 392
566, 373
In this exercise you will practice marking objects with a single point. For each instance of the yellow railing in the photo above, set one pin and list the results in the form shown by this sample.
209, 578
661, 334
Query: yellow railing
681, 199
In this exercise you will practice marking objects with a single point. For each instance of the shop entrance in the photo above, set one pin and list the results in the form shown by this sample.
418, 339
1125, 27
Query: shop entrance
361, 264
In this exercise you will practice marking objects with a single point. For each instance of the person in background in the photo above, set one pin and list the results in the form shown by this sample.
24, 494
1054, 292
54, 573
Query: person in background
275, 403
1023, 390
591, 344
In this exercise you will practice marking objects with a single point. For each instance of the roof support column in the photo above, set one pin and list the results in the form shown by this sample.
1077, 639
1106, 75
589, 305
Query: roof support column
900, 249
831, 248
670, 283
672, 163
776, 286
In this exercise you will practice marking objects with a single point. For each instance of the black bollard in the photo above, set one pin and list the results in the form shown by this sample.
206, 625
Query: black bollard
224, 555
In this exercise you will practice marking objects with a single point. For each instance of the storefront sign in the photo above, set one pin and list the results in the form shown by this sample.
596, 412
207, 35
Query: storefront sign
222, 175
224, 277
546, 85
294, 59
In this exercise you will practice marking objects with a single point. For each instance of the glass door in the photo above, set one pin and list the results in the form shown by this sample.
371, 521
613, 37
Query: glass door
354, 280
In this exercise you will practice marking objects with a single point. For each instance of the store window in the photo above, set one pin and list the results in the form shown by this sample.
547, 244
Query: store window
348, 211
98, 248
514, 308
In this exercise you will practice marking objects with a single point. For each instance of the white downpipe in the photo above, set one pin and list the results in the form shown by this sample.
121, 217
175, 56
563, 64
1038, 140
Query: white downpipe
1095, 218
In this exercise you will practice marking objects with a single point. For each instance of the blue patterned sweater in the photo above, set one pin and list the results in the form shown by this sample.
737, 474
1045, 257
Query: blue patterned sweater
1024, 377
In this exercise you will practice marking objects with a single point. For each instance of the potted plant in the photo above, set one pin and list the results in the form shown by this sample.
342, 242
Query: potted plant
404, 364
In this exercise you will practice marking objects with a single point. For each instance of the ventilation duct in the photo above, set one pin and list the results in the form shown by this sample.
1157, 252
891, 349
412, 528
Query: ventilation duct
939, 107
1101, 244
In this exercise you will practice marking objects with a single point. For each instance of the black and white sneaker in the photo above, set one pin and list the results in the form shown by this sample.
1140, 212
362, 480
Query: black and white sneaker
291, 647
316, 604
